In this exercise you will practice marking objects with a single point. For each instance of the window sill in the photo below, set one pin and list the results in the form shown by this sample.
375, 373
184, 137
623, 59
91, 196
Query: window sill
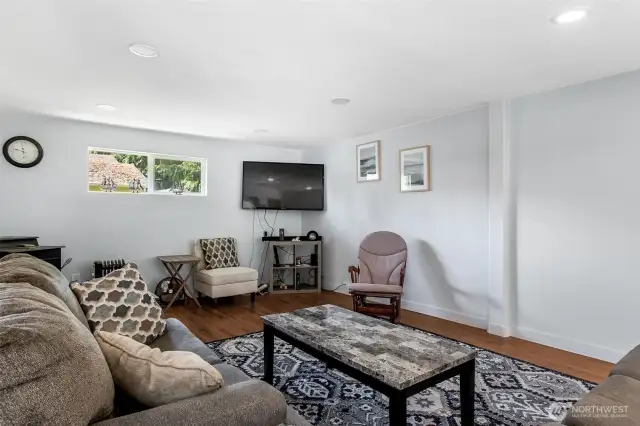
162, 194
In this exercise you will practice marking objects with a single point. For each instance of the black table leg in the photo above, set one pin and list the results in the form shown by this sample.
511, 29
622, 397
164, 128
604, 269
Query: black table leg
268, 354
467, 392
397, 410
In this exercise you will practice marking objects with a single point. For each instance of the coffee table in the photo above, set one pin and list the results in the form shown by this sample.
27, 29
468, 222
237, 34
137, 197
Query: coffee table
395, 360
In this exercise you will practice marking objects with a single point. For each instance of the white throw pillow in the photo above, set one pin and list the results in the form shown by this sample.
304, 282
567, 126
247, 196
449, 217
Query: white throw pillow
153, 377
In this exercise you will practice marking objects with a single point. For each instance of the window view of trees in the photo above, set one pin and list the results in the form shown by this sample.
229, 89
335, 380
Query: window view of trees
123, 172
140, 161
177, 176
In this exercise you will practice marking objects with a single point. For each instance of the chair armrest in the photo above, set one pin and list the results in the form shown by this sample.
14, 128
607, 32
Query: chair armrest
354, 272
249, 403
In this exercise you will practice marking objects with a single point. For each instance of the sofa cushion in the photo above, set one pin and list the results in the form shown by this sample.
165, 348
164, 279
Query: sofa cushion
225, 276
629, 365
120, 303
616, 401
177, 337
249, 403
231, 374
153, 377
220, 252
24, 268
52, 369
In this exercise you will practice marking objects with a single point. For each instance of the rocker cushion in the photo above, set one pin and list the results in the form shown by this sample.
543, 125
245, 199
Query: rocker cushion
375, 288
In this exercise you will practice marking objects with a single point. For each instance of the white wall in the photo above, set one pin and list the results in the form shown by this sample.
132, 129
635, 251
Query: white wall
537, 227
446, 229
52, 201
578, 216
569, 160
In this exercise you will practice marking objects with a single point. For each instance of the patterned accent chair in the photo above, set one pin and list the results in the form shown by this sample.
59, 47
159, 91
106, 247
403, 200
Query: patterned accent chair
380, 274
219, 274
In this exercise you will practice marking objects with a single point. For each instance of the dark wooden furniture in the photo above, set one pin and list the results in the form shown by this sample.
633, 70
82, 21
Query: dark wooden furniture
30, 245
361, 304
335, 336
174, 264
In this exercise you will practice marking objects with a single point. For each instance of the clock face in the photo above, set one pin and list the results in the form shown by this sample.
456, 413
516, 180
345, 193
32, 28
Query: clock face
22, 151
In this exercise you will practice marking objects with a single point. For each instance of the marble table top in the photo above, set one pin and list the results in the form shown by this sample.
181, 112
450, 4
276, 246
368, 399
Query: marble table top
394, 354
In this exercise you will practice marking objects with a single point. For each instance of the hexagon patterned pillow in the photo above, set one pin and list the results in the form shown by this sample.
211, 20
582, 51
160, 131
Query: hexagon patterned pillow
121, 303
220, 253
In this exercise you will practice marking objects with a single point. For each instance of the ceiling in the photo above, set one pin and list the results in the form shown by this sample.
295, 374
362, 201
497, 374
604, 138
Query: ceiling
228, 67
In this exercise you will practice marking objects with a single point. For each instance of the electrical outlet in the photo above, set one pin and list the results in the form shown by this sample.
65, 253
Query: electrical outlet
75, 277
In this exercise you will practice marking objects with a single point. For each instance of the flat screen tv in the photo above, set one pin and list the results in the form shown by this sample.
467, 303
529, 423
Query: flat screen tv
282, 186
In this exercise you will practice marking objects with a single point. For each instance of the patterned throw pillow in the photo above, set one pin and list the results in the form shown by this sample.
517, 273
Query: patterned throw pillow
220, 253
121, 303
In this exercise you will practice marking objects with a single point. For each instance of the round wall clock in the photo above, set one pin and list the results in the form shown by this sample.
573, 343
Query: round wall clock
23, 152
312, 235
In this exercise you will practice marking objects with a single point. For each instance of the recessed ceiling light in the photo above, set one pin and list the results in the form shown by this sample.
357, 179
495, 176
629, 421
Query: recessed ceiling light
106, 107
270, 179
144, 51
340, 101
570, 16
260, 131
309, 188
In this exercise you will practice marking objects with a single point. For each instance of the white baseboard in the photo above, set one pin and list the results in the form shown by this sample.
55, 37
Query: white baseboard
571, 345
499, 330
445, 314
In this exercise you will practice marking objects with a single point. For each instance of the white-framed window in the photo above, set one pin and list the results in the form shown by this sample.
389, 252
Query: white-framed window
134, 172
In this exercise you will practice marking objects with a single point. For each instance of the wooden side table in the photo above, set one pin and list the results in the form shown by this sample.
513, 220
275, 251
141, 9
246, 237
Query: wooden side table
174, 264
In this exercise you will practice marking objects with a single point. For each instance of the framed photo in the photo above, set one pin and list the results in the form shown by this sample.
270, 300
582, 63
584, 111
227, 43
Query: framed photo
368, 156
415, 169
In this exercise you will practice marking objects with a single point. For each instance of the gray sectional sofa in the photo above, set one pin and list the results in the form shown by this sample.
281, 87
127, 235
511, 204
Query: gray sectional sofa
614, 402
53, 371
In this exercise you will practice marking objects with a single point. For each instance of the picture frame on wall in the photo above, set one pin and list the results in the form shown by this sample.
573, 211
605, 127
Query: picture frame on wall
415, 169
368, 158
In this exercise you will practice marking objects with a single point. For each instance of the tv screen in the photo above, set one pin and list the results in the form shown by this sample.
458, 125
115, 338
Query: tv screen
282, 186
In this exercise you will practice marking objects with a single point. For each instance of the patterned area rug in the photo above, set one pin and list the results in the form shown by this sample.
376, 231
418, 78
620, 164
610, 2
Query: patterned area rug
508, 391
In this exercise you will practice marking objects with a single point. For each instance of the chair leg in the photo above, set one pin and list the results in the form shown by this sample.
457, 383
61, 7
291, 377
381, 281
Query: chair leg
398, 307
253, 300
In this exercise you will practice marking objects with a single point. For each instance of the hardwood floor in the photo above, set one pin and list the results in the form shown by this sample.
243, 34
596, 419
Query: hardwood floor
235, 318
